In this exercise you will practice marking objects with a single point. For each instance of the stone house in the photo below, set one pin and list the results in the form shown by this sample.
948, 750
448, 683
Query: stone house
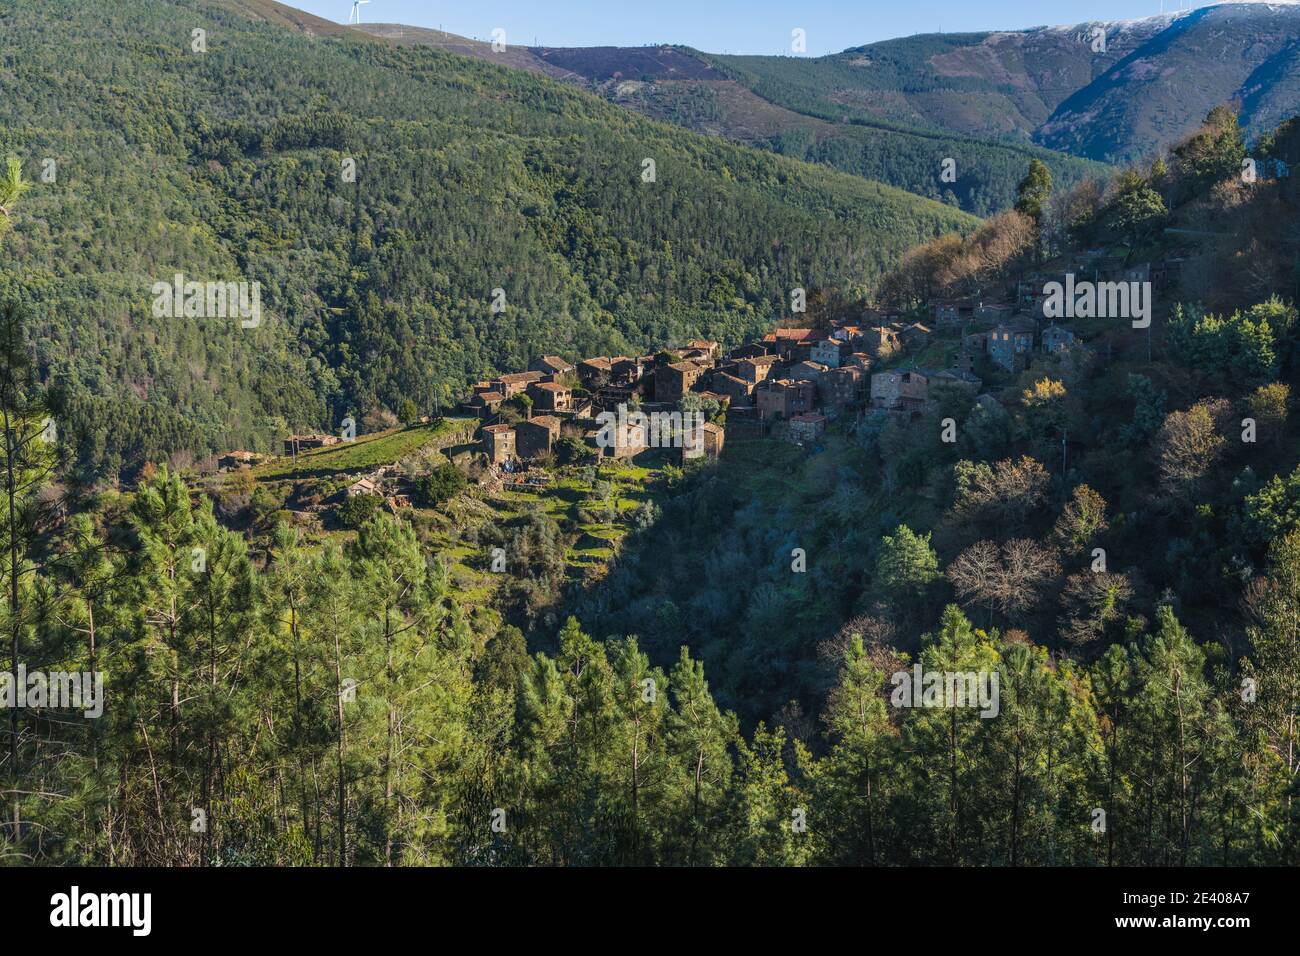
707, 441
624, 370
960, 378
952, 311
784, 398
485, 404
238, 459
756, 369
610, 396
512, 384
1055, 338
878, 317
300, 443
737, 390
594, 372
537, 436
551, 397
715, 436
881, 341
551, 365
704, 348
807, 427
807, 372
624, 441
899, 390
915, 335
860, 360
790, 344
673, 381
499, 443
842, 386
752, 350
363, 486
1010, 343
827, 353
995, 311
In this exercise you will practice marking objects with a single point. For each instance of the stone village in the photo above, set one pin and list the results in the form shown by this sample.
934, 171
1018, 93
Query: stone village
788, 386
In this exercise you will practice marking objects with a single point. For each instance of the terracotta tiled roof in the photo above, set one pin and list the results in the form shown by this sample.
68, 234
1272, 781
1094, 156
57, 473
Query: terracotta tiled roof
520, 377
793, 335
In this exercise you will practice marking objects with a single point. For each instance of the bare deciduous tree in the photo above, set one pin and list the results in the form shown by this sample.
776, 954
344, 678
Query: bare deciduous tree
1008, 580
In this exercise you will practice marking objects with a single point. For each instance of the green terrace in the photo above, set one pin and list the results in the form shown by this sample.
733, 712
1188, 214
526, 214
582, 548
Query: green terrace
593, 505
366, 451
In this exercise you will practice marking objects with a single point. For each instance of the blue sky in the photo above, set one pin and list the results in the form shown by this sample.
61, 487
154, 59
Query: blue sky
735, 26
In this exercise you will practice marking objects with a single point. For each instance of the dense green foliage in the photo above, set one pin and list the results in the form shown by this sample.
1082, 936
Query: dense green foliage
978, 175
1176, 466
439, 486
229, 164
1114, 537
336, 708
358, 509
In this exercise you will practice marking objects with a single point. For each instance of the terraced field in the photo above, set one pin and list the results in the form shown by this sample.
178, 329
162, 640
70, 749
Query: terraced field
593, 507
365, 452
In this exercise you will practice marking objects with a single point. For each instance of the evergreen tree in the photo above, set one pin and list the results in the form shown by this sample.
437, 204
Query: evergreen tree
850, 784
1034, 191
699, 738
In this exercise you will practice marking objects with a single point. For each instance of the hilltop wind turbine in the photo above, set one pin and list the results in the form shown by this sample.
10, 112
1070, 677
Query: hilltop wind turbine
355, 15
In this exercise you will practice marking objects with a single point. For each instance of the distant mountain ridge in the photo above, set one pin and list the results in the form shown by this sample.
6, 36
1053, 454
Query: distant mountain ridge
1109, 91
1235, 52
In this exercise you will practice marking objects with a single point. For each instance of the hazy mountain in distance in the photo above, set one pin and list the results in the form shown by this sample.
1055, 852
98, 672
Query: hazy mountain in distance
1248, 53
1106, 90
685, 87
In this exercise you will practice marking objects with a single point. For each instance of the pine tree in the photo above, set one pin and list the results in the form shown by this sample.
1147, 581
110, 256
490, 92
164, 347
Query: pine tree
768, 816
699, 738
1274, 670
29, 461
848, 783
333, 629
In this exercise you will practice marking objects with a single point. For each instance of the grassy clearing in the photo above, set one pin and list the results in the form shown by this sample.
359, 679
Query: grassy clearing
367, 451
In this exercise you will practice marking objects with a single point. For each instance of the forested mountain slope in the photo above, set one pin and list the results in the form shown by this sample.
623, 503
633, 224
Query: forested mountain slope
1243, 53
228, 163
688, 88
1107, 90
995, 84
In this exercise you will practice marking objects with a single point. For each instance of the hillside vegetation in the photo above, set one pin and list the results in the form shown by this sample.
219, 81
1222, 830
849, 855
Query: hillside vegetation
229, 164
1091, 550
1111, 91
748, 100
